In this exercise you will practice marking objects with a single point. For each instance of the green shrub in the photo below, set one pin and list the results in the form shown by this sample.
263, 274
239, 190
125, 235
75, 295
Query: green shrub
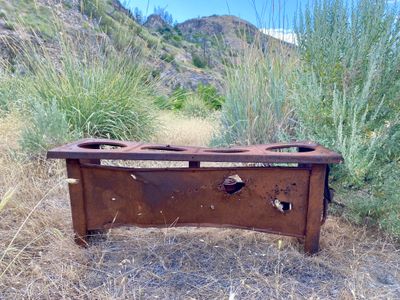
178, 98
341, 44
341, 89
352, 51
167, 57
340, 122
163, 102
379, 204
198, 61
347, 99
210, 96
10, 87
47, 127
194, 106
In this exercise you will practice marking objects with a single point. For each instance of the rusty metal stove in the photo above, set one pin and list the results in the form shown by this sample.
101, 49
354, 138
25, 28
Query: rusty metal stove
278, 192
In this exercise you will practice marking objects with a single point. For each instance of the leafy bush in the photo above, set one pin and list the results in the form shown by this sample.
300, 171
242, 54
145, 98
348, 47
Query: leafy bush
210, 96
347, 99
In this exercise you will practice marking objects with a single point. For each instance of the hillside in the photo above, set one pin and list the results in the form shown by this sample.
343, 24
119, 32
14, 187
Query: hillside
185, 55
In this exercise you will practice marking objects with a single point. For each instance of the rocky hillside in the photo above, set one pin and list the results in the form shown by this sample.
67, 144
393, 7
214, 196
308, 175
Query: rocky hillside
184, 55
230, 30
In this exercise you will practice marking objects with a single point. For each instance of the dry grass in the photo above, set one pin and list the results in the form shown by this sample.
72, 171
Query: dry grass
176, 263
181, 130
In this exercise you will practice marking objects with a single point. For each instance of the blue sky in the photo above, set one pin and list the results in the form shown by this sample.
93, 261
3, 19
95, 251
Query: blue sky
262, 13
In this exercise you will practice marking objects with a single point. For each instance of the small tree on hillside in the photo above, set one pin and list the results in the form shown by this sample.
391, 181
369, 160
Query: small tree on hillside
164, 14
138, 15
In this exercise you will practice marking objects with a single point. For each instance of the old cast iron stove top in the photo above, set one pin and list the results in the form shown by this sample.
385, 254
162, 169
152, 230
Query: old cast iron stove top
279, 190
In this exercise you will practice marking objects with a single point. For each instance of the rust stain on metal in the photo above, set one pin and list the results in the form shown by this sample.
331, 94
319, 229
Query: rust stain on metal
284, 200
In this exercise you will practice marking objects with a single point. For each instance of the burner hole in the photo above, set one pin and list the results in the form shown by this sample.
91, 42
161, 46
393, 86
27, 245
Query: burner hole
102, 146
166, 148
291, 149
227, 150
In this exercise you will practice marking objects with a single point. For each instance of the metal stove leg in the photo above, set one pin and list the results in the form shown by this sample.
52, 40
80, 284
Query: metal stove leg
76, 194
315, 208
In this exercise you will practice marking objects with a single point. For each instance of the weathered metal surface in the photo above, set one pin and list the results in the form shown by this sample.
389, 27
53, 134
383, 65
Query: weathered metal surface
109, 149
283, 200
195, 197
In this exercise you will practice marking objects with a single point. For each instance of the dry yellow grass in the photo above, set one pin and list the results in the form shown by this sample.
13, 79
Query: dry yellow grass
42, 261
181, 130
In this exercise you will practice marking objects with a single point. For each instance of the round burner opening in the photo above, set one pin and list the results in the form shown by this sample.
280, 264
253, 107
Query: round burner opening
291, 149
102, 146
226, 150
163, 148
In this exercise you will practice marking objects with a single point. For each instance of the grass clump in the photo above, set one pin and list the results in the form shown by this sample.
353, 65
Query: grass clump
199, 61
199, 103
48, 127
256, 108
101, 94
210, 96
195, 106
86, 92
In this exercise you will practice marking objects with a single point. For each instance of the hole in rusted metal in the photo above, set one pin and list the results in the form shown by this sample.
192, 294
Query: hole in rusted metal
102, 146
291, 149
233, 184
166, 148
282, 206
227, 150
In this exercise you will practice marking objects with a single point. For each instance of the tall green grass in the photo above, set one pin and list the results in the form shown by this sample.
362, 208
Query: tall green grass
47, 127
257, 107
93, 89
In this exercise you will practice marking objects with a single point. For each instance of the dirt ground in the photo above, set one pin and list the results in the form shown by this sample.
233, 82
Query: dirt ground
39, 260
